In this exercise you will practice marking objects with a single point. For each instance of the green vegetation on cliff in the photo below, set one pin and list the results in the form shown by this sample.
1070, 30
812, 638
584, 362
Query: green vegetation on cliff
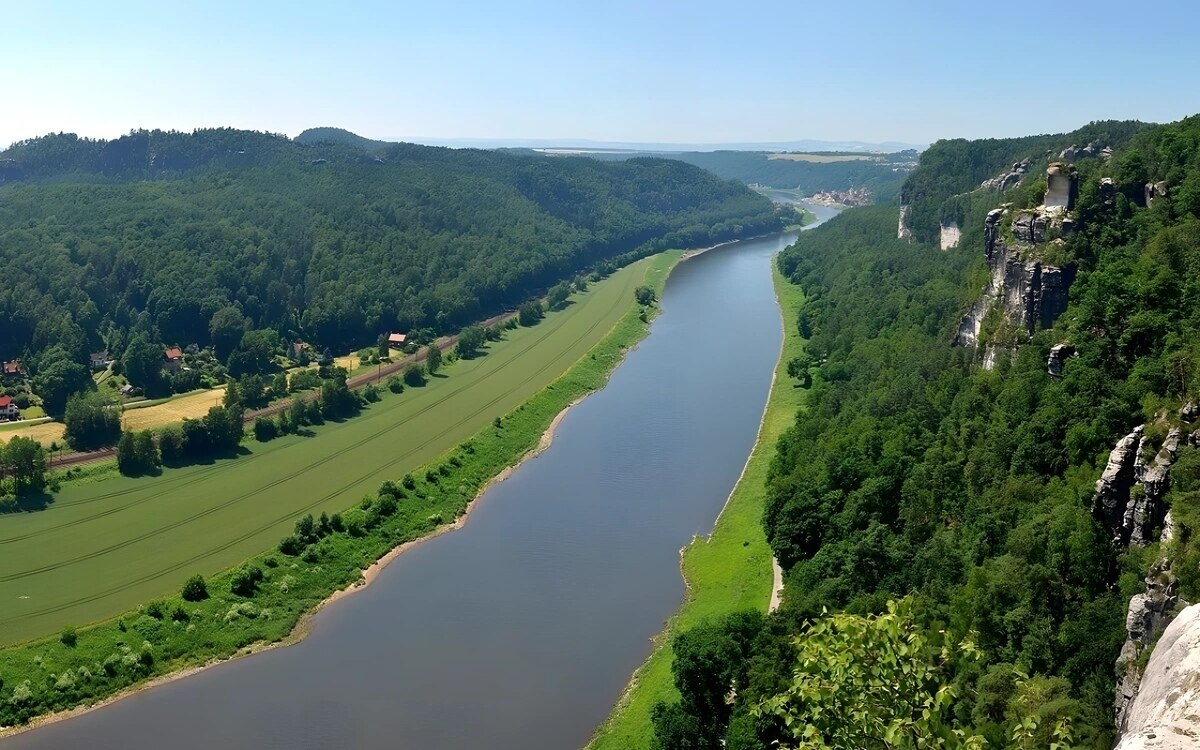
912, 473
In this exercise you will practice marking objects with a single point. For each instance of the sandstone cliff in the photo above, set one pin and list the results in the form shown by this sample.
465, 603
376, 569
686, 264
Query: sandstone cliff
1166, 713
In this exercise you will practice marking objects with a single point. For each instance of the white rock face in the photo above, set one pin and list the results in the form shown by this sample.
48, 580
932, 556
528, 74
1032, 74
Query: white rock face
902, 230
1166, 713
950, 235
1059, 198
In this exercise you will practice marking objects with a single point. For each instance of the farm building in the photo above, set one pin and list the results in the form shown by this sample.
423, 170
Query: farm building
99, 360
13, 369
173, 358
396, 339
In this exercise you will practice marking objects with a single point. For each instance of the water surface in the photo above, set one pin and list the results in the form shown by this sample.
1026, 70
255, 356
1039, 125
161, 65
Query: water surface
518, 631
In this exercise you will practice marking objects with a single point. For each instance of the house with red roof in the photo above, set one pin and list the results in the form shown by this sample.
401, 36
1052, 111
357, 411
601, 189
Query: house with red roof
8, 409
13, 369
173, 358
396, 339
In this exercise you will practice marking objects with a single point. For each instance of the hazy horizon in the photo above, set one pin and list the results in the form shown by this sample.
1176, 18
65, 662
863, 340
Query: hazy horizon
676, 73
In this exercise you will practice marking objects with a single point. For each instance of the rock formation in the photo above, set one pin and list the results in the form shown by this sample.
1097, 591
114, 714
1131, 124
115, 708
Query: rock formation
1008, 179
1062, 188
1148, 616
1165, 714
1059, 353
949, 236
1029, 293
902, 230
1154, 190
1129, 494
1074, 153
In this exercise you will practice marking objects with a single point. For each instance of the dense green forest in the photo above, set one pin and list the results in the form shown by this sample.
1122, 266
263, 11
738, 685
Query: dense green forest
244, 240
914, 476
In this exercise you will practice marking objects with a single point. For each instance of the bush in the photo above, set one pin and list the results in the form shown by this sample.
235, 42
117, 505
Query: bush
371, 393
395, 384
414, 375
291, 545
69, 637
387, 505
409, 482
265, 429
194, 589
245, 581
644, 295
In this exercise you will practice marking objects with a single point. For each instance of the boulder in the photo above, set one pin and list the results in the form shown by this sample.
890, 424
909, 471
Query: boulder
1008, 179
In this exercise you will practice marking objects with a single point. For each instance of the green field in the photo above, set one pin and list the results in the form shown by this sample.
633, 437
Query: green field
731, 571
104, 547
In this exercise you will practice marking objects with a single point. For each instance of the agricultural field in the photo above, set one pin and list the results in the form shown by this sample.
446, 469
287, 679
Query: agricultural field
43, 432
104, 547
189, 405
823, 158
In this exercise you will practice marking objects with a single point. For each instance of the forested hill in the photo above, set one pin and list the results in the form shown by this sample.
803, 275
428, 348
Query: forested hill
314, 136
158, 232
916, 474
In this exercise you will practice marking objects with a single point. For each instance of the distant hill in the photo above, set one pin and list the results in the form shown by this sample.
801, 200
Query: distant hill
340, 136
156, 234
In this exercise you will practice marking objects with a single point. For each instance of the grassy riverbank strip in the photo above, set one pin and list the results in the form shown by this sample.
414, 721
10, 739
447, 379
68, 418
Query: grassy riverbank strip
731, 570
276, 591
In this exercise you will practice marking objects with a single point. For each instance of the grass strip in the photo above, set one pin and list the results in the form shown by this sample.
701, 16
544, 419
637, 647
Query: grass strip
731, 570
171, 635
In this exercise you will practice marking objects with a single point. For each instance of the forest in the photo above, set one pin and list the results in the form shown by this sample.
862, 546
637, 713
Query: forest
934, 519
239, 240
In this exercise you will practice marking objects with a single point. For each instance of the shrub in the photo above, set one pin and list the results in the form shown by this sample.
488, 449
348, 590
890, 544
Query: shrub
389, 488
155, 610
180, 614
395, 384
387, 505
69, 637
194, 589
265, 429
335, 523
371, 393
245, 581
409, 482
414, 375
290, 545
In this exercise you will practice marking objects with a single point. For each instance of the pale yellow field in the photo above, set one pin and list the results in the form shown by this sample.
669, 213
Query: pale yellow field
45, 433
193, 405
822, 158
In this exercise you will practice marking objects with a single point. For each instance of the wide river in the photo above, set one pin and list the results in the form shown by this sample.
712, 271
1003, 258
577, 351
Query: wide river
518, 631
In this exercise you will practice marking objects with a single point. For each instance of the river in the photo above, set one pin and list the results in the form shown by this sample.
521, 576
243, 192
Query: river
518, 631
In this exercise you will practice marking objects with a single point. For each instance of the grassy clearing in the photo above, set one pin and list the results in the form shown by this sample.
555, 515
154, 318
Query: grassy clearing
104, 547
729, 572
170, 634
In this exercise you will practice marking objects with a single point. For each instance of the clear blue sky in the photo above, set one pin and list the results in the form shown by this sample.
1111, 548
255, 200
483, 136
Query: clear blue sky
634, 70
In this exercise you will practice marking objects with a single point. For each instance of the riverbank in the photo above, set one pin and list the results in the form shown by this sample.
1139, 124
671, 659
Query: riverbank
171, 636
732, 569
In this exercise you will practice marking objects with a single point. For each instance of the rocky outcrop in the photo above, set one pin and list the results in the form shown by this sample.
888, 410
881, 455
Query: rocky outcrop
1030, 293
1062, 188
1008, 179
1165, 714
1115, 483
1148, 616
1129, 494
1059, 353
949, 236
1074, 153
1154, 190
902, 230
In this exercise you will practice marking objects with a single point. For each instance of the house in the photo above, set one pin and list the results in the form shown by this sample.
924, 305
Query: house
298, 349
396, 340
173, 358
99, 360
127, 390
8, 409
13, 369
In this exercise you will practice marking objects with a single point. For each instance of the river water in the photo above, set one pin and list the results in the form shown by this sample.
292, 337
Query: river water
518, 631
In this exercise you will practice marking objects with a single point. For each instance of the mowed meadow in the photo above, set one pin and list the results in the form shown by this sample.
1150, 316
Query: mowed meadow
104, 547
